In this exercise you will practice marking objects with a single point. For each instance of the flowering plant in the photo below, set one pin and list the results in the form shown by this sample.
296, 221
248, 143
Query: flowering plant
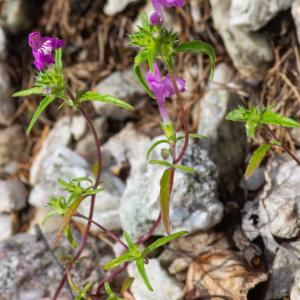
159, 47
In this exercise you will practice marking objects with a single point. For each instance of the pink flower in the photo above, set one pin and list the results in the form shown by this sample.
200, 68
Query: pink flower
162, 89
42, 49
156, 17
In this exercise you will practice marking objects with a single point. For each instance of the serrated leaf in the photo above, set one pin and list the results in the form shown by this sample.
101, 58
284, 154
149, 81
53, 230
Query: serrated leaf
240, 114
154, 145
142, 80
42, 106
68, 216
257, 158
165, 194
69, 237
164, 240
91, 96
117, 261
37, 90
202, 48
140, 264
271, 118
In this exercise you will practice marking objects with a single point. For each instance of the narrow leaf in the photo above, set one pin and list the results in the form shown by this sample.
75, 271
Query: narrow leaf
141, 268
129, 241
142, 80
164, 240
257, 158
126, 285
69, 237
68, 216
184, 168
165, 194
160, 162
154, 145
117, 261
202, 48
37, 90
271, 118
91, 96
42, 106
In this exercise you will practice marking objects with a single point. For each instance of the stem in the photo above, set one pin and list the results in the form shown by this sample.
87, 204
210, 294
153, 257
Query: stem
92, 206
109, 233
144, 238
283, 145
110, 276
184, 118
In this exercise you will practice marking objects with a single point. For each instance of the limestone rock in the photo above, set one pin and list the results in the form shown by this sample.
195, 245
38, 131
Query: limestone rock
251, 54
113, 7
254, 14
6, 228
121, 84
165, 287
13, 195
296, 16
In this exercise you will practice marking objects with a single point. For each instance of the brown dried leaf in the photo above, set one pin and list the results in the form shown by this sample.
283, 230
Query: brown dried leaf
221, 274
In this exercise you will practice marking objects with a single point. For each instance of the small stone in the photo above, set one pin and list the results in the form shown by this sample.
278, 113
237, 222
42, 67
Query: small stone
165, 287
180, 264
295, 292
254, 14
2, 43
13, 196
251, 53
123, 85
296, 16
255, 181
113, 7
6, 228
58, 137
12, 140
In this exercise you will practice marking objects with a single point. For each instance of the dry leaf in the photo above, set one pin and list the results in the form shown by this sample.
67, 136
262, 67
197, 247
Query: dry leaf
221, 274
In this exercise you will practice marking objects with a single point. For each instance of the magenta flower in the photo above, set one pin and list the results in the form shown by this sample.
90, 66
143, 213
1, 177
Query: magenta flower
156, 17
162, 89
42, 49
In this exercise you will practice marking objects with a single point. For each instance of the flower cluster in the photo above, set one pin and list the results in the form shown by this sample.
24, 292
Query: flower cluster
42, 49
162, 89
156, 17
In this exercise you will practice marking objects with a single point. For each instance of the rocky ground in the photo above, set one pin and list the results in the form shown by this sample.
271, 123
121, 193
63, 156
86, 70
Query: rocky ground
244, 241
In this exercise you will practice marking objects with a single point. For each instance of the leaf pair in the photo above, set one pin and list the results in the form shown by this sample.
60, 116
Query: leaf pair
254, 117
135, 254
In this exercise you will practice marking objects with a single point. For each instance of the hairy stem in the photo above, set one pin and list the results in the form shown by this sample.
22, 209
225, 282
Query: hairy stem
283, 145
92, 205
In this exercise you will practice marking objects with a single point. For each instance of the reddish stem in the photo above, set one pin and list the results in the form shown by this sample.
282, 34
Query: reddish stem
92, 206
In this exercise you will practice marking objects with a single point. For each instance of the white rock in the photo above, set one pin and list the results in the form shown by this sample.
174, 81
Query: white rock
254, 14
226, 140
295, 292
194, 204
123, 85
250, 52
13, 195
112, 7
78, 127
2, 43
165, 287
296, 16
6, 227
59, 137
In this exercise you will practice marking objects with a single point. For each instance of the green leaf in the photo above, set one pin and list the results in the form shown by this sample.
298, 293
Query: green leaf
69, 236
37, 90
82, 295
58, 58
42, 106
164, 240
240, 114
197, 136
199, 47
154, 145
141, 268
117, 261
126, 284
142, 80
128, 240
271, 118
169, 165
165, 195
108, 289
257, 158
91, 96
